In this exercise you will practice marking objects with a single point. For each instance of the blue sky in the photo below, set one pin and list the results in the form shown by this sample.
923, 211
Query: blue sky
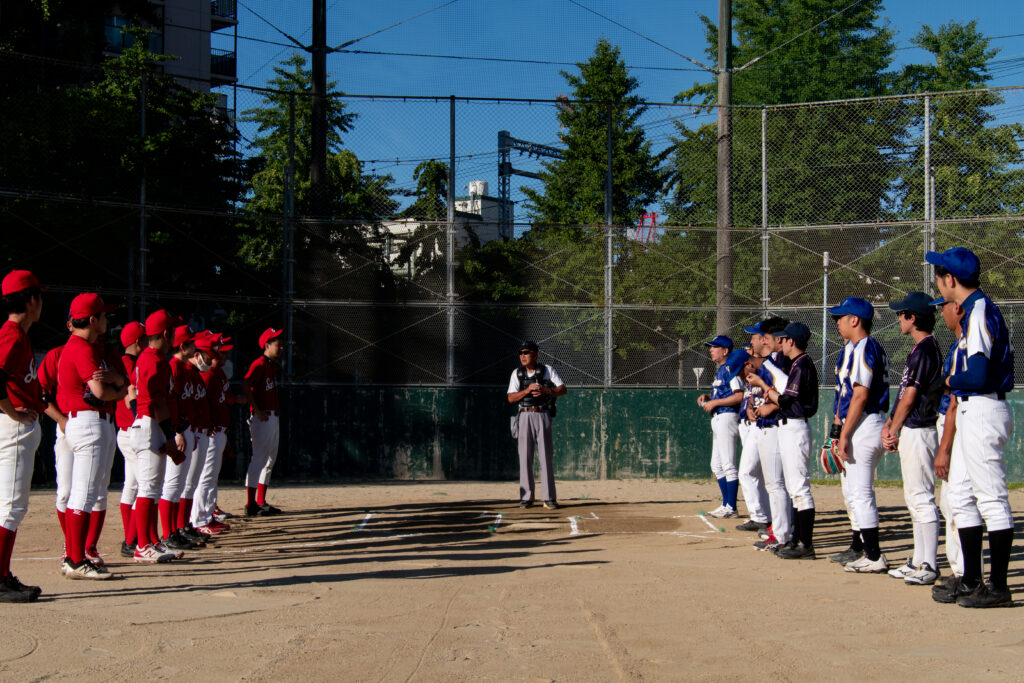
556, 31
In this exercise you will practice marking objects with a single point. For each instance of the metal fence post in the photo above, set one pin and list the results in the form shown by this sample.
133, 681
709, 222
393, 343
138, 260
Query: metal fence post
824, 315
288, 260
765, 267
925, 237
450, 269
608, 293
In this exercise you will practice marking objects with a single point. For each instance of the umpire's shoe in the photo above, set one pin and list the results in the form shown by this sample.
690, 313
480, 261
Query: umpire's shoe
986, 596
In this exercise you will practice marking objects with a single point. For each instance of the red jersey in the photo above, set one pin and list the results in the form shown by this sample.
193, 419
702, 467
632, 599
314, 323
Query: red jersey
123, 414
217, 394
262, 378
183, 391
78, 362
19, 364
200, 404
48, 374
153, 381
110, 362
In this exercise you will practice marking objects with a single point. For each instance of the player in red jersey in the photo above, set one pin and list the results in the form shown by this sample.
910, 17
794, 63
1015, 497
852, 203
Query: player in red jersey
216, 383
152, 434
260, 390
61, 453
197, 364
133, 335
20, 405
175, 474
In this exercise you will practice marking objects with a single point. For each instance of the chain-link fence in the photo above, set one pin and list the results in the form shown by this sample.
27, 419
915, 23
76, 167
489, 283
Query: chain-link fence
434, 238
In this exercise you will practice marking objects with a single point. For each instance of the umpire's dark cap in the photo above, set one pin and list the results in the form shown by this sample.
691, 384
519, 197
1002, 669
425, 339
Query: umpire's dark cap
853, 305
529, 346
720, 341
959, 261
798, 332
915, 302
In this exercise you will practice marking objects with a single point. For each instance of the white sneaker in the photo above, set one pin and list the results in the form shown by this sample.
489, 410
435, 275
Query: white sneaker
65, 566
719, 511
151, 555
924, 576
903, 572
164, 550
87, 570
866, 566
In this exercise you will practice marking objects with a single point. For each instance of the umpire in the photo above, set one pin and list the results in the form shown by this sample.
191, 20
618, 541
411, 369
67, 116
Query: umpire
535, 386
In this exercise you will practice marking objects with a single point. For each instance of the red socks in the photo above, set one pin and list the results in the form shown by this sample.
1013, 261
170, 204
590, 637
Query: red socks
143, 518
130, 532
95, 528
60, 518
250, 496
77, 523
166, 515
261, 494
6, 550
184, 512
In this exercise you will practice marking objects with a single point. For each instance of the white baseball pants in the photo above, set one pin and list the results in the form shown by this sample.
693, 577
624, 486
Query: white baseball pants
774, 482
146, 440
917, 462
265, 436
751, 479
63, 459
954, 555
196, 463
795, 450
18, 444
104, 486
983, 426
858, 480
206, 489
724, 430
87, 437
175, 475
131, 484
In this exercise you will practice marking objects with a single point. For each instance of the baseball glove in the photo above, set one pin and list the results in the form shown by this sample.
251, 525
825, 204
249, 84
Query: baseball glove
829, 457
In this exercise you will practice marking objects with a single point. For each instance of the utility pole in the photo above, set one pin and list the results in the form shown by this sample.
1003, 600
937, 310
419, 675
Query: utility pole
318, 146
723, 281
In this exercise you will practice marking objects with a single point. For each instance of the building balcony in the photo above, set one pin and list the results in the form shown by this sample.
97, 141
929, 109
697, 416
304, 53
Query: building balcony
223, 66
223, 14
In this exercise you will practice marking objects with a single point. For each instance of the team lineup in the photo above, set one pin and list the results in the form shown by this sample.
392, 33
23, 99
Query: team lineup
163, 403
950, 421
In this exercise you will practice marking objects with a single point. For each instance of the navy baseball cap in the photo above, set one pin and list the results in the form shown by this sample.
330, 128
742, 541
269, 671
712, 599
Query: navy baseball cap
853, 305
798, 332
735, 360
720, 341
959, 261
915, 302
529, 346
754, 329
938, 302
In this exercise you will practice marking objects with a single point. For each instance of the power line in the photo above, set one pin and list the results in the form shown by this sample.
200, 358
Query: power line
802, 33
387, 28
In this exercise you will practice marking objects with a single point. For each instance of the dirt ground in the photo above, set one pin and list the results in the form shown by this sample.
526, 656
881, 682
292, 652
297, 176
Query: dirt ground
452, 581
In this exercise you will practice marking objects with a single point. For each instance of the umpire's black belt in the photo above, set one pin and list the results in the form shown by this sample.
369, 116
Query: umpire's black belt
534, 409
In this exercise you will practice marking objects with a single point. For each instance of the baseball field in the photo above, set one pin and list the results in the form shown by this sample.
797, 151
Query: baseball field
445, 581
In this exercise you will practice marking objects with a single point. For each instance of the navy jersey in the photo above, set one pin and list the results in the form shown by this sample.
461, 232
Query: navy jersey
757, 399
985, 332
922, 372
862, 363
802, 388
948, 368
724, 387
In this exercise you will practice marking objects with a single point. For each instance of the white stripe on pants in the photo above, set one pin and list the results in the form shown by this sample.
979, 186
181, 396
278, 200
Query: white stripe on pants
265, 437
18, 444
774, 482
147, 439
131, 484
724, 429
917, 462
63, 459
795, 450
858, 480
983, 426
175, 475
206, 489
751, 480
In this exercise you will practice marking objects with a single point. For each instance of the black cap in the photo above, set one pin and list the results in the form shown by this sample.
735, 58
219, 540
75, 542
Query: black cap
529, 346
798, 332
915, 302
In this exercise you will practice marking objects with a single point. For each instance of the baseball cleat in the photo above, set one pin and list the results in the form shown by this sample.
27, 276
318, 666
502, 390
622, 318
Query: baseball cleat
163, 549
127, 550
212, 529
867, 566
796, 552
847, 556
766, 532
723, 511
93, 556
254, 510
177, 542
151, 555
770, 543
12, 590
269, 509
751, 525
986, 596
526, 504
903, 572
87, 570
924, 576
551, 505
217, 512
192, 536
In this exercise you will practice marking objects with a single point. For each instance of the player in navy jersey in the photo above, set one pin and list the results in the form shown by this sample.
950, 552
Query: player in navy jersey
984, 424
946, 427
910, 431
861, 402
750, 476
797, 402
723, 404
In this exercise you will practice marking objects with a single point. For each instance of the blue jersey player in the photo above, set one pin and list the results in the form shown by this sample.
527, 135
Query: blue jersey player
723, 405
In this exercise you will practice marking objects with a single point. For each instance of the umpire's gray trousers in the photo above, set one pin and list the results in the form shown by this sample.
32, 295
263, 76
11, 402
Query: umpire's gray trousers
535, 430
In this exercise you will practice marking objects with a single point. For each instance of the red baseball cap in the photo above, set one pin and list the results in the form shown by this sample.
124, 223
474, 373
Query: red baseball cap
87, 305
205, 341
131, 333
182, 334
18, 281
268, 334
159, 322
224, 342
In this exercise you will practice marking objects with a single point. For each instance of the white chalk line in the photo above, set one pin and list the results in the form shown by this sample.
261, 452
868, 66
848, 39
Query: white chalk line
594, 516
497, 521
575, 527
705, 520
366, 519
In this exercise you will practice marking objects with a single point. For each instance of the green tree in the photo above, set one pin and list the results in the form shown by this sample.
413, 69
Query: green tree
574, 187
